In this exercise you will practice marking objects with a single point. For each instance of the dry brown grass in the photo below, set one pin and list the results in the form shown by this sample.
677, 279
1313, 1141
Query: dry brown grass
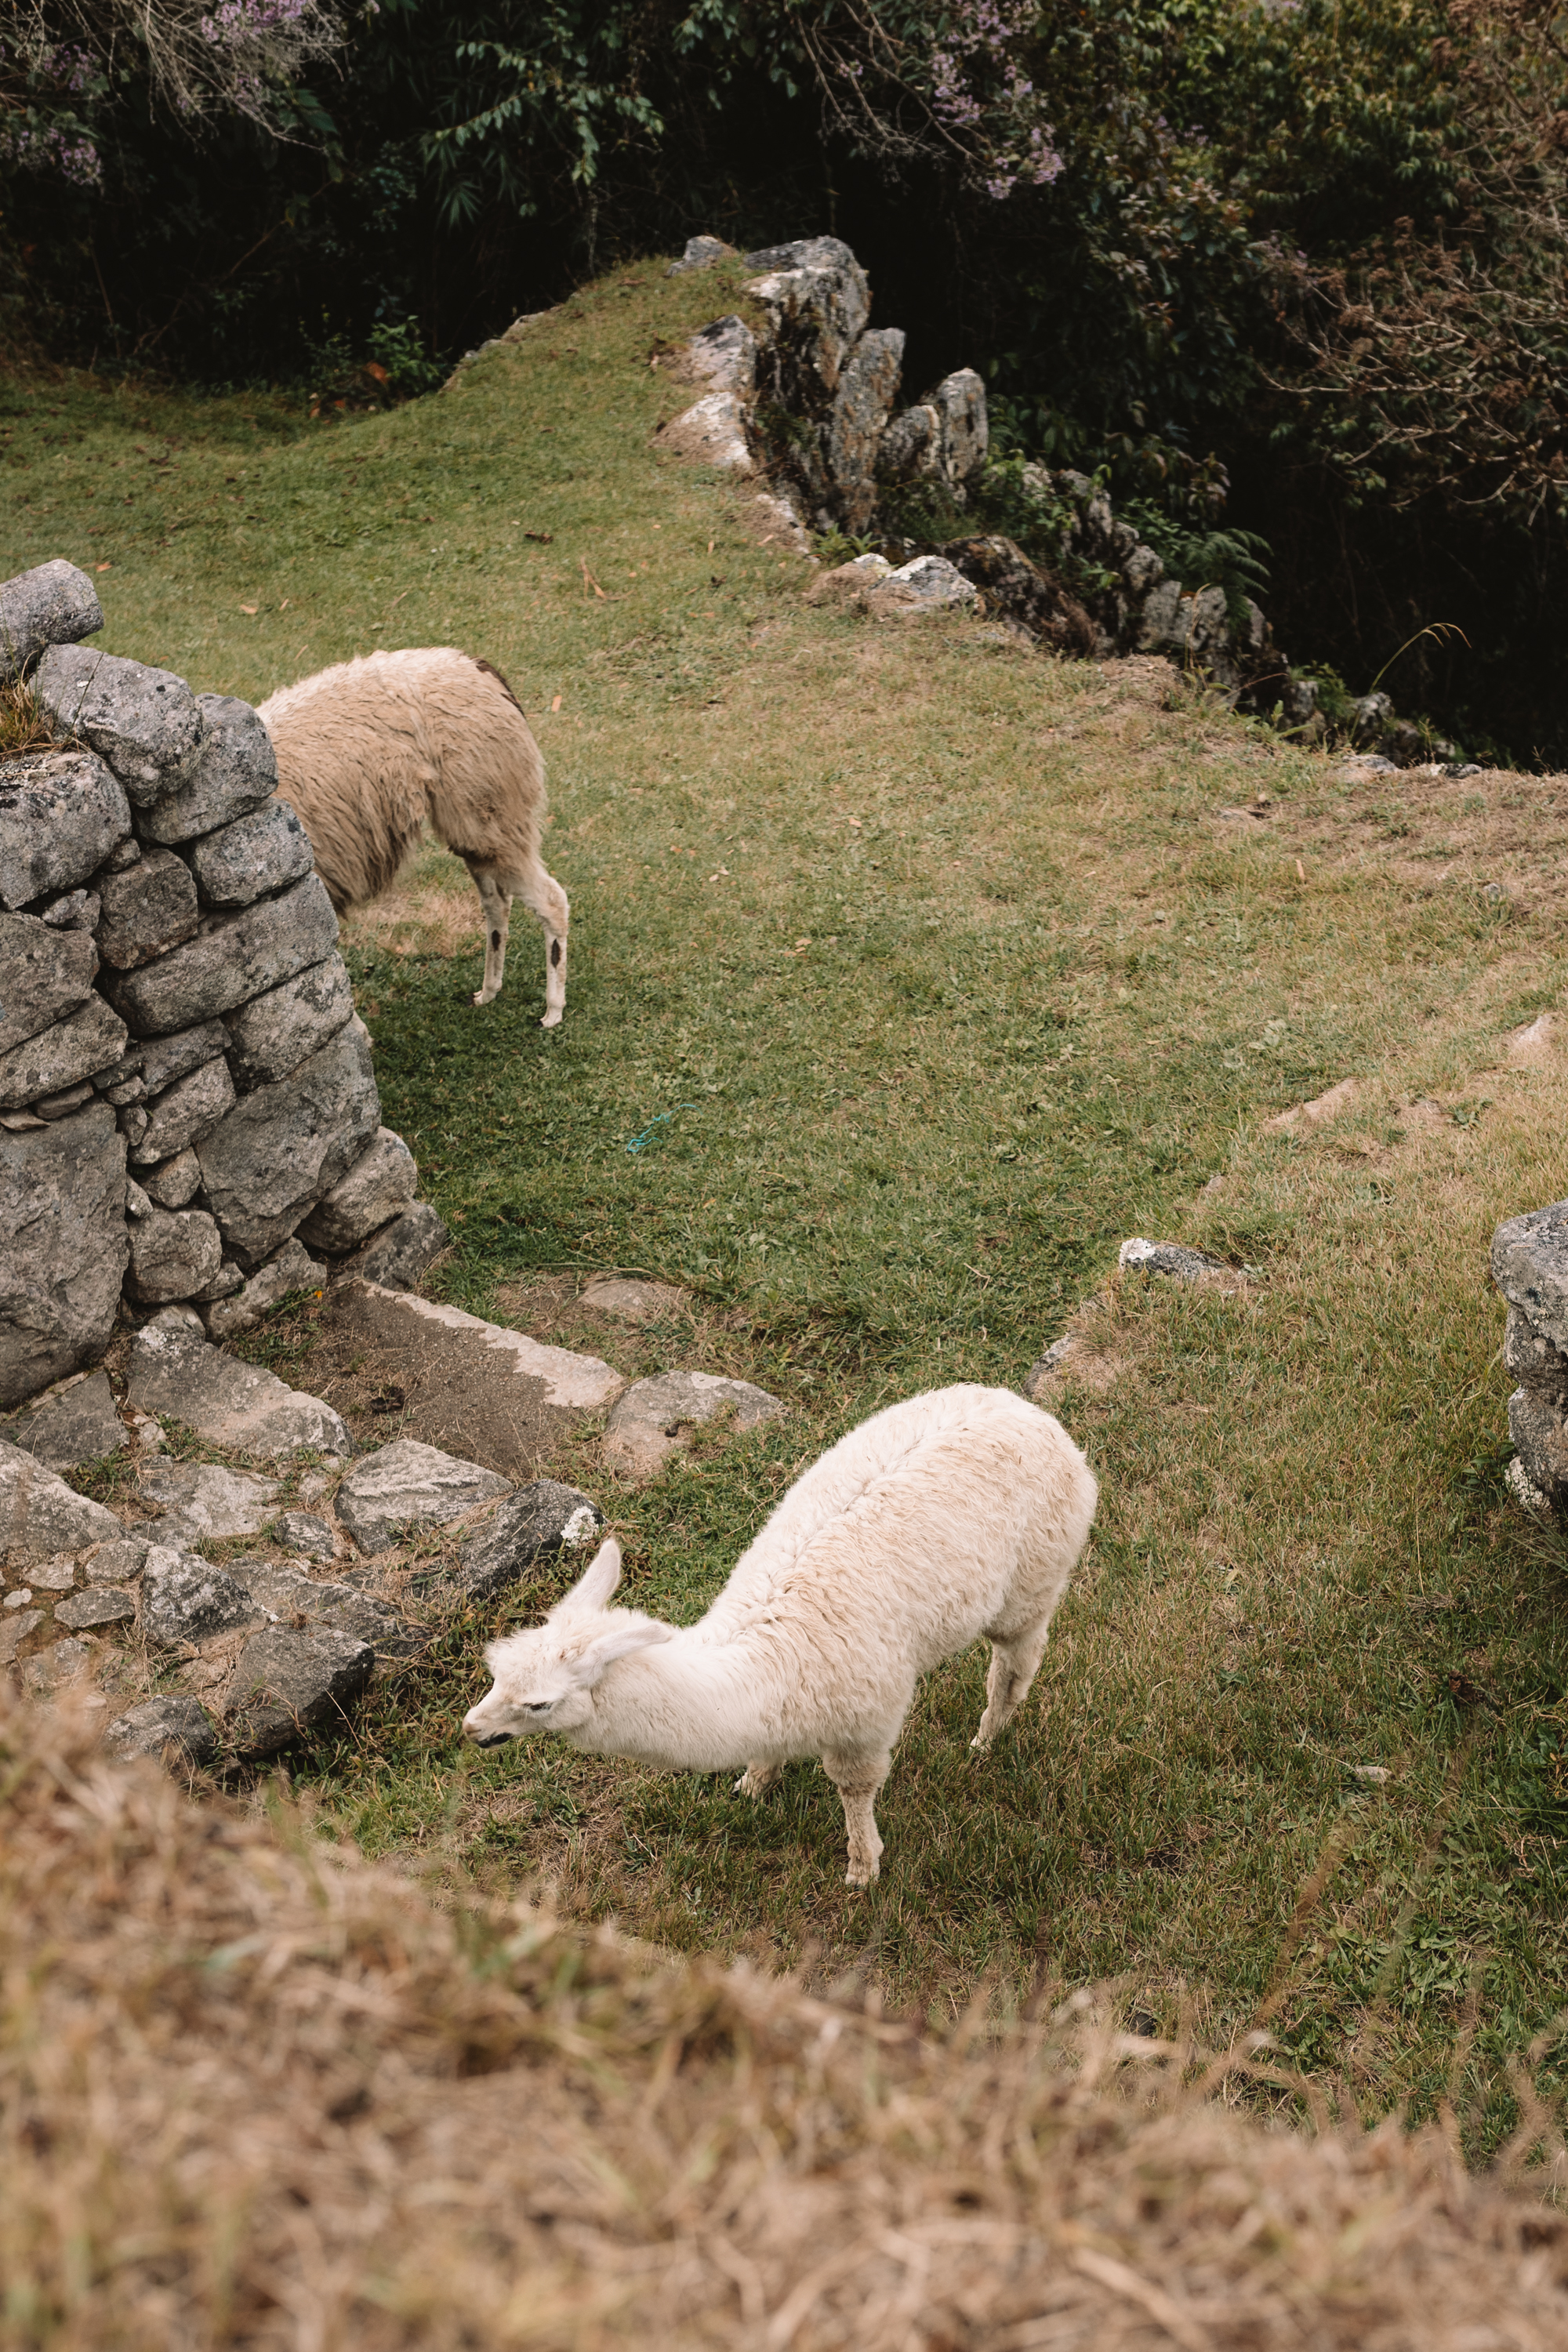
25, 725
258, 2092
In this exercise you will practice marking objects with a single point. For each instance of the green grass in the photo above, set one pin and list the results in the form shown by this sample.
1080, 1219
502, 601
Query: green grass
940, 974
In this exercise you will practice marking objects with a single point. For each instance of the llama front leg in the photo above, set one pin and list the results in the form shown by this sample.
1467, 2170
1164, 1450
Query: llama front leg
497, 904
1013, 1665
758, 1778
857, 1780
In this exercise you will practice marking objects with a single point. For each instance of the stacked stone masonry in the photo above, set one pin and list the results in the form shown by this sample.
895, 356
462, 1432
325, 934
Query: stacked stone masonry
1530, 1266
183, 1084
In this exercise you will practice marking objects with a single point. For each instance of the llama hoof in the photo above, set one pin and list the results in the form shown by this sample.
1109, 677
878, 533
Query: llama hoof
484, 996
551, 1021
748, 1786
861, 1874
983, 1746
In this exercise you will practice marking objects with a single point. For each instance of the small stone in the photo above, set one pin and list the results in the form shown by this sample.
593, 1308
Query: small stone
635, 1302
132, 1123
146, 910
276, 1031
44, 975
127, 1091
123, 854
168, 1721
173, 1254
121, 1562
90, 1612
54, 1574
1376, 1773
652, 1419
1041, 1372
187, 1600
14, 1631
712, 431
63, 1661
234, 769
292, 1269
910, 447
62, 812
928, 584
61, 1106
395, 1257
307, 1679
228, 1279
202, 1502
232, 958
302, 1531
75, 1423
40, 1515
53, 605
265, 851
172, 1370
539, 1522
959, 401
405, 1486
78, 911
177, 1182
284, 1146
144, 721
377, 1188
20, 1599
62, 1209
1173, 1258
701, 253
61, 1055
185, 1112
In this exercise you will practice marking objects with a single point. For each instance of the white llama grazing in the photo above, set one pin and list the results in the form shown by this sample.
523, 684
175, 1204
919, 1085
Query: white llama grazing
939, 1520
373, 751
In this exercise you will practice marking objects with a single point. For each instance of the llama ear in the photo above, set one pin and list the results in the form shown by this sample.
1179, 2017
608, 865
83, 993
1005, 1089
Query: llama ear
597, 1581
624, 1642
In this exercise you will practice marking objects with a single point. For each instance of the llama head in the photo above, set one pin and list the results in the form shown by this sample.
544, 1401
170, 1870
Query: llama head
545, 1678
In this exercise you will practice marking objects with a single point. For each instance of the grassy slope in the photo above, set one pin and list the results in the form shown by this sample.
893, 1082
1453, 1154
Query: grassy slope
929, 1051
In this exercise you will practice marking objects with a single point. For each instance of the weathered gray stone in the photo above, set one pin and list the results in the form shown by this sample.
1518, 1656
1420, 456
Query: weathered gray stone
1530, 1266
651, 1419
635, 1302
90, 1612
62, 812
817, 299
539, 1522
851, 583
291, 1269
171, 1721
233, 771
175, 1184
63, 1247
959, 401
181, 1115
405, 1487
77, 911
144, 721
39, 1514
78, 1423
930, 583
1536, 1425
1530, 1357
174, 1253
395, 1257
288, 1682
1036, 1382
172, 1370
1171, 1258
274, 1034
712, 431
700, 253
302, 1531
53, 605
228, 1279
145, 910
164, 1060
868, 387
15, 1628
63, 1055
281, 1148
911, 447
290, 1594
202, 1502
724, 356
232, 958
377, 1188
265, 851
187, 1599
44, 975
55, 1572
63, 1661
119, 1562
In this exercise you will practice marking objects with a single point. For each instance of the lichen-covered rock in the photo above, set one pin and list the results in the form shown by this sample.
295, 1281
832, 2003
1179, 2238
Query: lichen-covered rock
849, 583
1018, 589
45, 973
304, 1531
69, 1051
183, 1112
163, 1060
144, 721
202, 1501
187, 1601
171, 1721
868, 387
275, 1033
292, 1268
232, 958
64, 1249
1530, 1266
287, 1683
377, 1188
40, 1515
265, 851
62, 812
146, 910
929, 584
174, 1371
74, 1424
1173, 1259
234, 769
724, 355
817, 299
397, 1257
53, 605
289, 1593
911, 447
963, 436
284, 1146
712, 431
91, 1612
406, 1485
652, 1419
174, 1253
700, 253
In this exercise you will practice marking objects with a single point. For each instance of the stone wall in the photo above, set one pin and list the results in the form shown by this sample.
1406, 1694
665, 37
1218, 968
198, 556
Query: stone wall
186, 1096
1530, 1266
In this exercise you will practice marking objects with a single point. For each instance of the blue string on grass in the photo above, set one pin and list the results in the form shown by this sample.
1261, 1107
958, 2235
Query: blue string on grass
637, 1141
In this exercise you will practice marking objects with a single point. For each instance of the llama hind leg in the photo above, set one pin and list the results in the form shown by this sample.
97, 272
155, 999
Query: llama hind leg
857, 1779
543, 894
1013, 1665
497, 904
758, 1778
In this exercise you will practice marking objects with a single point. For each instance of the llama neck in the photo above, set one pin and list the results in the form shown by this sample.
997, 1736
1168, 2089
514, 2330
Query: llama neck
686, 1706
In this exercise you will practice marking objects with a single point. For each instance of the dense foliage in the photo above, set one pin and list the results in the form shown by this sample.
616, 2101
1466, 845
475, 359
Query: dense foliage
1295, 265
